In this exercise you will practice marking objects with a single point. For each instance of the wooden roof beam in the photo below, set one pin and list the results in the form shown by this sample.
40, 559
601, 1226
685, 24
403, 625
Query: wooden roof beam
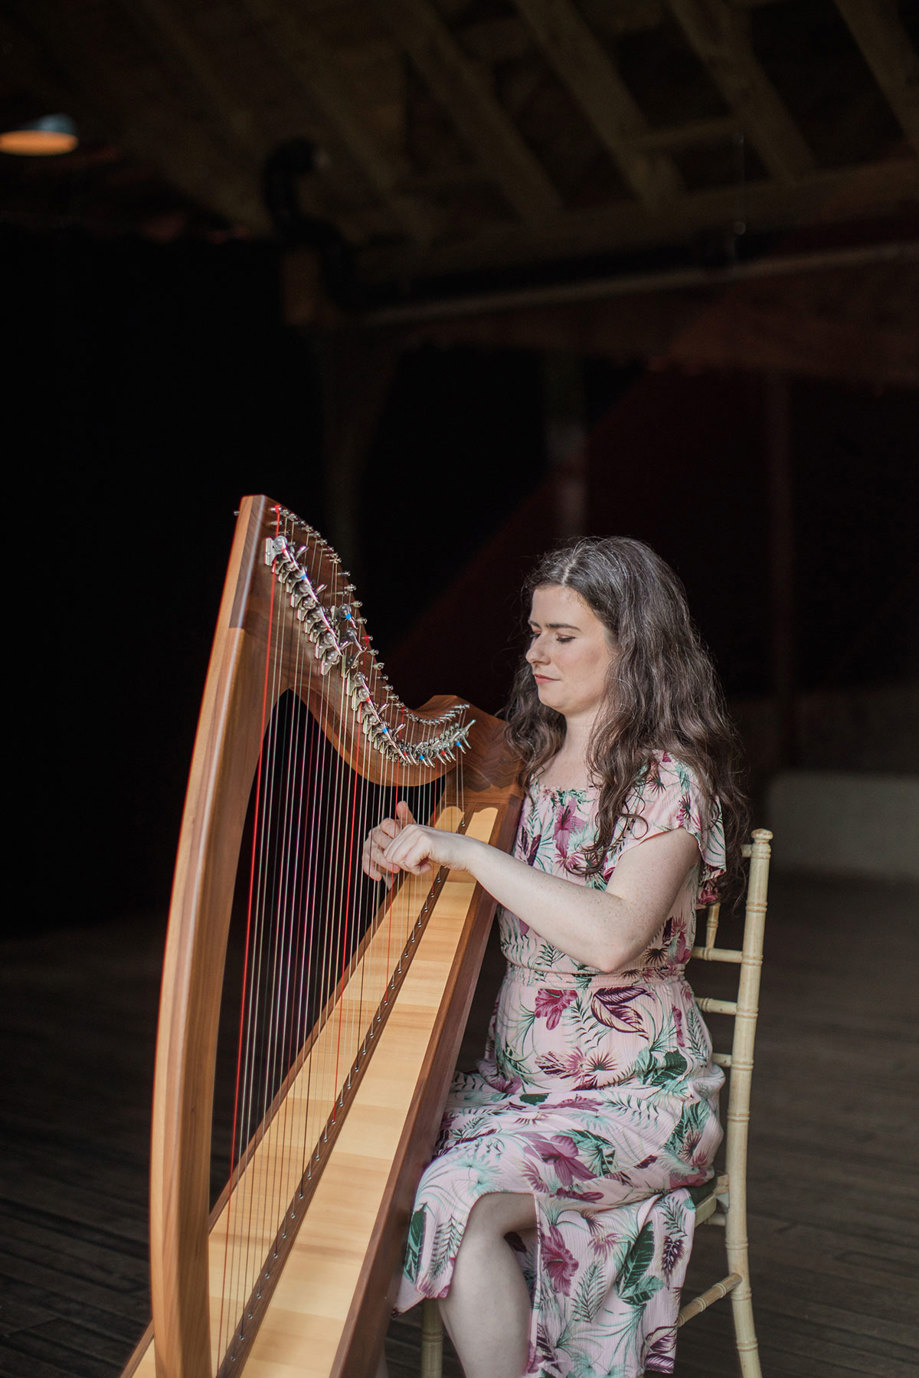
719, 35
885, 44
472, 108
313, 66
624, 16
725, 328
824, 196
593, 82
691, 134
503, 39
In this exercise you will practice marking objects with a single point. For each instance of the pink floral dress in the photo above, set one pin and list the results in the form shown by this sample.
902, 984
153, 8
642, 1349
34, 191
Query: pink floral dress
597, 1094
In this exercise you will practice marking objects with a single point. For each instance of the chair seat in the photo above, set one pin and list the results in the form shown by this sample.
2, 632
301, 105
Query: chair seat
708, 1198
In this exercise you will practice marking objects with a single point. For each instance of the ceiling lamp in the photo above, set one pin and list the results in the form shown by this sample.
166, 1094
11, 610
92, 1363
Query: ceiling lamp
39, 138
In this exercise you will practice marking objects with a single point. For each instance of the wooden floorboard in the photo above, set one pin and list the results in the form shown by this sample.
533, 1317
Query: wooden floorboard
834, 1191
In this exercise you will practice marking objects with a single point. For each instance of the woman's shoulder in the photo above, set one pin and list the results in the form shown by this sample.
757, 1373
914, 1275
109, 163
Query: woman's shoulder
669, 787
667, 773
669, 794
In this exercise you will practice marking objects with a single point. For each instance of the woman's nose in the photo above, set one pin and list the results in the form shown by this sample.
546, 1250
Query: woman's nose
535, 651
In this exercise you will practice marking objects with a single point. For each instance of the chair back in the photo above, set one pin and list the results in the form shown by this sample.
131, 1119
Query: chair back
726, 1203
745, 1009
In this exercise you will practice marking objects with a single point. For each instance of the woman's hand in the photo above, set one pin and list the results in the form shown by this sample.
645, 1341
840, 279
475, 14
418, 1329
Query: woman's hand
416, 849
373, 856
400, 844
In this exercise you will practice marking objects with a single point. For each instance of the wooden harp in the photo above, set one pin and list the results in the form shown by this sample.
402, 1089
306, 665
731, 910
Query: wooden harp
291, 1272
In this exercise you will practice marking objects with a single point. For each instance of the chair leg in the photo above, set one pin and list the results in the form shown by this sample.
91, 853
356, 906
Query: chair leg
432, 1340
745, 1331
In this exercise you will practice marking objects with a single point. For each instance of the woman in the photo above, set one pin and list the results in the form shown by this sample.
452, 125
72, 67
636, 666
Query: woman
555, 1220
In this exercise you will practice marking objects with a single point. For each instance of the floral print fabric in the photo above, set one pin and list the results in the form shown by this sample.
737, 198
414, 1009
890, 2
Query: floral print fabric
596, 1094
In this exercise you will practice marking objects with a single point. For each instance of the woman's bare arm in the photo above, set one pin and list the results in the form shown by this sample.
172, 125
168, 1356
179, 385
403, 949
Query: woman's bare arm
607, 929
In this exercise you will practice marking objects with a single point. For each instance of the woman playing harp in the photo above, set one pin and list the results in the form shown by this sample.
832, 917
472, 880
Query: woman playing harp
555, 1220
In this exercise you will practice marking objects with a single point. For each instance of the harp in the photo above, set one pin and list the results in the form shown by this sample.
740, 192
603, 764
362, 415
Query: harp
352, 997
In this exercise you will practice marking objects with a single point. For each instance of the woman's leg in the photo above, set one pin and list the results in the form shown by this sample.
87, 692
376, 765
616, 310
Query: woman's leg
487, 1311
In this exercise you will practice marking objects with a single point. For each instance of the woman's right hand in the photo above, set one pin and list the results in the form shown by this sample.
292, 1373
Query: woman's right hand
378, 839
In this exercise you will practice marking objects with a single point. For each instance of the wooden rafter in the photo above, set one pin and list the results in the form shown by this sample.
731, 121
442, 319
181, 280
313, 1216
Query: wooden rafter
146, 77
314, 67
769, 325
477, 116
625, 16
820, 197
503, 39
777, 335
693, 133
596, 86
719, 35
877, 30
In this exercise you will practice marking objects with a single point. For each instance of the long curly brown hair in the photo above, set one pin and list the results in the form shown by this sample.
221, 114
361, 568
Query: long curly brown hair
662, 695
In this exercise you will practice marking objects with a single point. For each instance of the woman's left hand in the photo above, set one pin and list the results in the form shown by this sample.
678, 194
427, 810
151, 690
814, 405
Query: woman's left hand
417, 848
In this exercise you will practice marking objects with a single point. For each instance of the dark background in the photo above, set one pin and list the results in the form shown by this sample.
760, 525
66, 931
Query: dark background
150, 386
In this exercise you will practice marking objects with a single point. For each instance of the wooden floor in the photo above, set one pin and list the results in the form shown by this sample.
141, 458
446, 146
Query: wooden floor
833, 1179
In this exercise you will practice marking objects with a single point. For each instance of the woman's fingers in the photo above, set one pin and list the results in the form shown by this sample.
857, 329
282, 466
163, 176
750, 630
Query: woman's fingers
410, 850
416, 849
373, 854
400, 844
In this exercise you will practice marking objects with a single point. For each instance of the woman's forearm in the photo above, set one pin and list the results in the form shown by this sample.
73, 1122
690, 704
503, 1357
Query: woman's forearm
607, 929
595, 927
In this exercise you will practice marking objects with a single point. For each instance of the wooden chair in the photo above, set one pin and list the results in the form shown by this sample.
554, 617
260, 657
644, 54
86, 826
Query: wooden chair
725, 1203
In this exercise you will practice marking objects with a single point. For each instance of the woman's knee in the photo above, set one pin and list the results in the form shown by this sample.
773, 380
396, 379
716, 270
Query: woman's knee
500, 1213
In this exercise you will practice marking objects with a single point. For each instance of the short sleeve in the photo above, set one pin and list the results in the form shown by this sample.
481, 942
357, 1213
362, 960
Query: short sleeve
668, 796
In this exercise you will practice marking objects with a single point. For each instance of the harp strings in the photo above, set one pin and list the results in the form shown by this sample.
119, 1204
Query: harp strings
323, 945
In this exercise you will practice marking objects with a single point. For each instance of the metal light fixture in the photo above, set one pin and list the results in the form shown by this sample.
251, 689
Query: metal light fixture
40, 138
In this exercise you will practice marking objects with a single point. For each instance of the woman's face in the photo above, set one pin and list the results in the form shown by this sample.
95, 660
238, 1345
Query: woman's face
570, 653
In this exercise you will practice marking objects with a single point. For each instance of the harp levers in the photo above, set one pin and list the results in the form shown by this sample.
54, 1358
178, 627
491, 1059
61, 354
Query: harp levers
350, 999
